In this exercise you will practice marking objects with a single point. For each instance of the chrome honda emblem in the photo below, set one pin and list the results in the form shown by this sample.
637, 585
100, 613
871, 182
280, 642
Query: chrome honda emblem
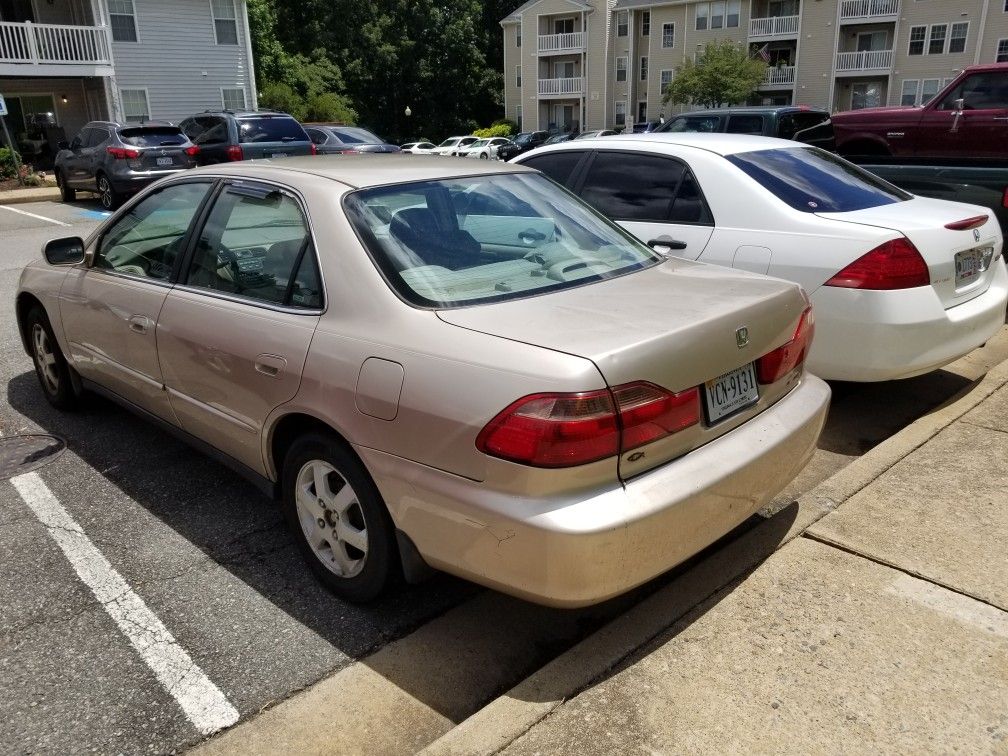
741, 336
976, 234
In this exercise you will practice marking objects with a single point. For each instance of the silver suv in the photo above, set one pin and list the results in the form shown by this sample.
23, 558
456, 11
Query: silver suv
117, 160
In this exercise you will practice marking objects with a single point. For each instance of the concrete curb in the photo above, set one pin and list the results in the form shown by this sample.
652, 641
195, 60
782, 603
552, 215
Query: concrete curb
511, 715
24, 196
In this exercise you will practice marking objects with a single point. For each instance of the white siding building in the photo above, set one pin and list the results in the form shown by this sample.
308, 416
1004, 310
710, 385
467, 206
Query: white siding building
123, 60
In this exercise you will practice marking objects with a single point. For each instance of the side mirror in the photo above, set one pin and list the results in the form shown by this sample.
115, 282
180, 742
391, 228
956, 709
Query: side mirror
66, 251
63, 144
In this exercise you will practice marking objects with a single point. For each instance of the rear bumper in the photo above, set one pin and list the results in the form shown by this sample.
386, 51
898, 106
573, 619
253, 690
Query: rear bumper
584, 548
130, 182
881, 336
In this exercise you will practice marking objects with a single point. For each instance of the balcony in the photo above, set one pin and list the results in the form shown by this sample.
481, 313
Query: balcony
569, 87
862, 11
773, 27
866, 61
28, 49
779, 77
557, 44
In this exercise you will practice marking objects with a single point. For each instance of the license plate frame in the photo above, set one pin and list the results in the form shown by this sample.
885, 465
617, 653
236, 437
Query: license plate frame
162, 162
275, 155
970, 264
739, 389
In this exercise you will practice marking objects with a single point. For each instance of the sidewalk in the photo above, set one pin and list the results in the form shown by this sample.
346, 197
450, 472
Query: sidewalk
31, 194
881, 625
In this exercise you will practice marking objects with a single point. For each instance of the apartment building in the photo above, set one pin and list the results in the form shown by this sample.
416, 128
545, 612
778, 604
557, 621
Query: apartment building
123, 60
579, 65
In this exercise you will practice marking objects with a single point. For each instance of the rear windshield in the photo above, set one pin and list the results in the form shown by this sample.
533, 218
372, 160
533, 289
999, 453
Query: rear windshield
356, 136
702, 124
815, 181
488, 238
270, 130
152, 136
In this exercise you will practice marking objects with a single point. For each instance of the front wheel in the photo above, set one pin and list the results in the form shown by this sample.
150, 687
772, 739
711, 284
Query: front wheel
50, 365
66, 193
109, 198
338, 517
484, 156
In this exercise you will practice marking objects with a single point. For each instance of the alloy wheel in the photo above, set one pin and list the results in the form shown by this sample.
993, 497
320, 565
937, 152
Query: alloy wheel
45, 359
331, 518
105, 193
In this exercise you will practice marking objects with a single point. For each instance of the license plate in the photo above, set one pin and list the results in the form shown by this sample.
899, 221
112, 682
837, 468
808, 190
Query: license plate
165, 161
730, 392
970, 264
278, 155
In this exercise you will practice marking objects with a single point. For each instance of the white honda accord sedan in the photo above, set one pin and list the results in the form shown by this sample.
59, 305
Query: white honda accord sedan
901, 285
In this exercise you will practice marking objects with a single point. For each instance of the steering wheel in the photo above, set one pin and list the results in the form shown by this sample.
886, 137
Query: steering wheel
228, 261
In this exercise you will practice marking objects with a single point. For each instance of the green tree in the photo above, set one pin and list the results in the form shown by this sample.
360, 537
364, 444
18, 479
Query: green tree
723, 75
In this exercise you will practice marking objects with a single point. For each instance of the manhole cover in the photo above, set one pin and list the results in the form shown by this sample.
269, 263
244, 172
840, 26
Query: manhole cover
21, 454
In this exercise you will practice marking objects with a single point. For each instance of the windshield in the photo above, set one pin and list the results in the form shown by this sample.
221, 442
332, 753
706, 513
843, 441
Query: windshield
488, 238
270, 130
356, 136
449, 142
816, 181
480, 143
152, 136
523, 137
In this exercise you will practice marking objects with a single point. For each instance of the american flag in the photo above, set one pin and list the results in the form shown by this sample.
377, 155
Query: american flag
764, 53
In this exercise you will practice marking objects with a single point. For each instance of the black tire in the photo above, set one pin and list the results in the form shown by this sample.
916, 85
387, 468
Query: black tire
108, 197
368, 509
483, 156
66, 193
56, 382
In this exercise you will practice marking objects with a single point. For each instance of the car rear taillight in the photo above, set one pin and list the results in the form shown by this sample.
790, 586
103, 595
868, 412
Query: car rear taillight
895, 264
122, 153
565, 430
773, 366
967, 224
313, 148
192, 151
1004, 198
234, 152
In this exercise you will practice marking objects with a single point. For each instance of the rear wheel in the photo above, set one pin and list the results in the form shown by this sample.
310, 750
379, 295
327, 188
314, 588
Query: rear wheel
338, 517
50, 365
66, 193
483, 156
109, 198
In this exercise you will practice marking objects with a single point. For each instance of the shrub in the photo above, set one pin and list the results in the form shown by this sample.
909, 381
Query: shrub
7, 169
506, 122
501, 130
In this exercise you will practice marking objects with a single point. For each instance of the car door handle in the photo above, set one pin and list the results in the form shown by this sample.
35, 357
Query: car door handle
668, 242
140, 323
270, 364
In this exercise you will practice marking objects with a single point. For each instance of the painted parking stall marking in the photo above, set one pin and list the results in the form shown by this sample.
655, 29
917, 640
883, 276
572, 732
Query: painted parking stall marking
206, 707
33, 215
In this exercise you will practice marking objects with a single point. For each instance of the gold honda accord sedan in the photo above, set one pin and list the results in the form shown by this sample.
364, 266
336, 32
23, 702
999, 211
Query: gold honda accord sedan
438, 364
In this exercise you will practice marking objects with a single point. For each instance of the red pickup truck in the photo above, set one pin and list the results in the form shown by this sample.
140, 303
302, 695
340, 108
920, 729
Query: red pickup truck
954, 147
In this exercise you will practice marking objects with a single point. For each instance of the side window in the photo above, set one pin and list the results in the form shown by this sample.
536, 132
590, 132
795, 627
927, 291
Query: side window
745, 124
81, 139
316, 136
98, 137
148, 239
632, 187
690, 205
216, 132
254, 245
191, 128
557, 165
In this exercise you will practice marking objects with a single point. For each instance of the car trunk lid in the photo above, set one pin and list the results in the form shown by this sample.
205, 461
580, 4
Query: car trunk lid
161, 148
272, 137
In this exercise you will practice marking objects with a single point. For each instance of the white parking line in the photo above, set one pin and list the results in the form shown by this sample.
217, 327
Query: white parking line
202, 701
32, 215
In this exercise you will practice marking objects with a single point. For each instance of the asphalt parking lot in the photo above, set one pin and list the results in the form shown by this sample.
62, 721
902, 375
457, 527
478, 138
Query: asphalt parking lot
208, 557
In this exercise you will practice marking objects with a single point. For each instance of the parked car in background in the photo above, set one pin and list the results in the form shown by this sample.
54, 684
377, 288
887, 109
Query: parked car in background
485, 149
595, 134
561, 138
334, 139
366, 339
901, 285
225, 136
452, 145
646, 127
527, 140
117, 160
800, 123
418, 148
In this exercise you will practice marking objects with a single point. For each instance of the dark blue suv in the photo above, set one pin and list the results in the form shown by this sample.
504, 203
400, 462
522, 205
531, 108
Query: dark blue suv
227, 135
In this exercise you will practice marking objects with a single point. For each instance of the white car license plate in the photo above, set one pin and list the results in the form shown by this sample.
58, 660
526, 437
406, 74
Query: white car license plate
165, 161
279, 154
970, 264
730, 392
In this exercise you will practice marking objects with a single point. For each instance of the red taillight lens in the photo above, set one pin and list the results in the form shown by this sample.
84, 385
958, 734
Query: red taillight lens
234, 152
894, 265
192, 151
313, 148
967, 224
554, 430
648, 412
120, 153
773, 366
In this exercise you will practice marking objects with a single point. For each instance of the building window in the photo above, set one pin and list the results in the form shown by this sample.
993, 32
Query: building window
702, 12
225, 21
917, 35
518, 76
518, 35
732, 17
666, 79
1002, 51
518, 117
909, 95
957, 39
642, 111
717, 12
645, 23
936, 40
622, 23
233, 98
620, 113
668, 35
123, 20
621, 66
643, 68
135, 106
929, 88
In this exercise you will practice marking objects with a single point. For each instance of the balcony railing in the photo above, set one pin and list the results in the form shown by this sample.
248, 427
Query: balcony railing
553, 87
779, 76
867, 60
560, 43
858, 9
774, 26
53, 44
